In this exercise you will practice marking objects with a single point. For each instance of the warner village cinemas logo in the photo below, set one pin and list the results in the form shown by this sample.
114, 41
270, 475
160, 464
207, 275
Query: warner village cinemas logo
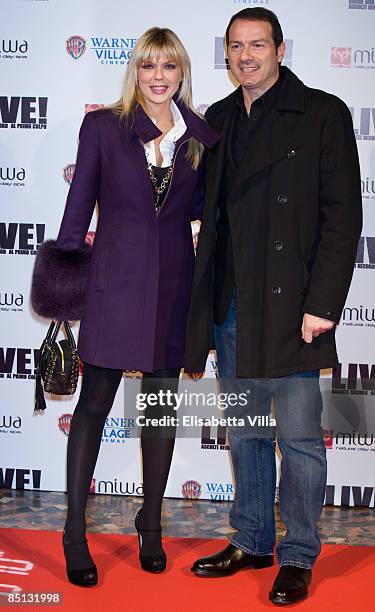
21, 238
63, 423
363, 122
68, 173
23, 112
217, 491
14, 49
116, 429
17, 478
19, 363
75, 46
107, 50
12, 176
221, 61
361, 5
11, 302
354, 379
252, 2
347, 57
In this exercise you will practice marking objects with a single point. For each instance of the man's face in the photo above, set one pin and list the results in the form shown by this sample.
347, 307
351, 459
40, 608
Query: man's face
252, 55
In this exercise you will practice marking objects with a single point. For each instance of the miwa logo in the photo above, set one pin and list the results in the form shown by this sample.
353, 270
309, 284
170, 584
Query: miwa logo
10, 423
12, 176
347, 57
11, 301
11, 49
118, 487
359, 316
355, 439
368, 188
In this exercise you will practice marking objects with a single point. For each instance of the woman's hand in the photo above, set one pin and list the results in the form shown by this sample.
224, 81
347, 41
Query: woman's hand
195, 375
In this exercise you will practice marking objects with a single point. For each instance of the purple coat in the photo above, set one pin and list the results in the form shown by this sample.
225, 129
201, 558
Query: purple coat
134, 288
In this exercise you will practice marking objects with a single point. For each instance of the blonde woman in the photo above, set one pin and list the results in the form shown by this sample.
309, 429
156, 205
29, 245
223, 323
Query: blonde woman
140, 160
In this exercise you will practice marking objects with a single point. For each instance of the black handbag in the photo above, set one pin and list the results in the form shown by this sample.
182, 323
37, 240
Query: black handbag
58, 365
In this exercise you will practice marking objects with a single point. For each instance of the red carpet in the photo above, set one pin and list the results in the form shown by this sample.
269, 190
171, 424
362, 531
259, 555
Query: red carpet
343, 577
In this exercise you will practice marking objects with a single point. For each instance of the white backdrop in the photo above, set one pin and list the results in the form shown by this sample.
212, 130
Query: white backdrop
47, 84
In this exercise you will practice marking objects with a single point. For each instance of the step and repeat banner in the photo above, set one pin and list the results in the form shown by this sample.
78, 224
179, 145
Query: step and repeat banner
60, 59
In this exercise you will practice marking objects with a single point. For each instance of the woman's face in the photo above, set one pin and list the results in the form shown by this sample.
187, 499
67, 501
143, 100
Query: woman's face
158, 79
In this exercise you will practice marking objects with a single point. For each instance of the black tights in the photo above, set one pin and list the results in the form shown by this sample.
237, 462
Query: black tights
99, 387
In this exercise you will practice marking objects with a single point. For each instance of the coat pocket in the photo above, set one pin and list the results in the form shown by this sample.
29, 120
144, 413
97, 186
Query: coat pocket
102, 268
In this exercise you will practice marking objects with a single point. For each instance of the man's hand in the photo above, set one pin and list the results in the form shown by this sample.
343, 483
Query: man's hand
313, 326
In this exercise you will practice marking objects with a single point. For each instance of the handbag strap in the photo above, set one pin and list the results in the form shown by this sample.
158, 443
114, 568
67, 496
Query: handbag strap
69, 334
53, 331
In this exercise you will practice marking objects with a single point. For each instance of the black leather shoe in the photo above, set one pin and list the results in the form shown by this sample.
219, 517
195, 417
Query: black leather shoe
291, 585
149, 563
80, 577
228, 562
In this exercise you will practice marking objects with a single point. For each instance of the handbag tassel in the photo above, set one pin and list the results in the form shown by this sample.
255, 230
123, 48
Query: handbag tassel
40, 402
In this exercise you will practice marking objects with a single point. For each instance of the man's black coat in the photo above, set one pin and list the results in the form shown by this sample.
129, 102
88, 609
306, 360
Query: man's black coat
295, 215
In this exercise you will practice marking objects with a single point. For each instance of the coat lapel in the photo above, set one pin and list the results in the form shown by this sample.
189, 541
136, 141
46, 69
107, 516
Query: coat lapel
274, 140
215, 158
277, 135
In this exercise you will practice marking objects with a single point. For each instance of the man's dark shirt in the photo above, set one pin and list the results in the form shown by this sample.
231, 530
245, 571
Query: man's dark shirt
240, 137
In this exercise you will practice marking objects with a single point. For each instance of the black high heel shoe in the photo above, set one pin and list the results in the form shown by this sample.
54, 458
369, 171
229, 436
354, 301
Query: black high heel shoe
81, 577
149, 562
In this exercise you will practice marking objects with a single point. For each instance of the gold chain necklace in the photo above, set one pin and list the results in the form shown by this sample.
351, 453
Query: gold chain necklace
159, 190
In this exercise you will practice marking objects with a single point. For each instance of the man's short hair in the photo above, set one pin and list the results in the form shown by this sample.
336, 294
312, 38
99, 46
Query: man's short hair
259, 14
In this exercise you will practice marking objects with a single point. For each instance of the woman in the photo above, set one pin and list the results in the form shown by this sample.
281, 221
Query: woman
140, 159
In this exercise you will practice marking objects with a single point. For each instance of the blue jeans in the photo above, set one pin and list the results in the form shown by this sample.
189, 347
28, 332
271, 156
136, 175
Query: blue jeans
298, 405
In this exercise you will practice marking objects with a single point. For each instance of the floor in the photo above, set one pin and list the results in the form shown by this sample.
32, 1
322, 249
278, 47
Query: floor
181, 518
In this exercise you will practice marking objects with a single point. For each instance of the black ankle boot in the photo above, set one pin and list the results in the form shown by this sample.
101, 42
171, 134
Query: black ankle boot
149, 562
81, 577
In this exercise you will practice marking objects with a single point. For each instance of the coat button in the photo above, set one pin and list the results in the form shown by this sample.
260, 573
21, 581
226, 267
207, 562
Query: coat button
276, 290
278, 245
282, 199
327, 313
291, 154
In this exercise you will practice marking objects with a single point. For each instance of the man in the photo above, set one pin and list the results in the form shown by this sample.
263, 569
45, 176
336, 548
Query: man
274, 263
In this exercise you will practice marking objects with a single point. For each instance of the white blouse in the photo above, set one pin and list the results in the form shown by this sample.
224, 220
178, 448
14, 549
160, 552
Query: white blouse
167, 143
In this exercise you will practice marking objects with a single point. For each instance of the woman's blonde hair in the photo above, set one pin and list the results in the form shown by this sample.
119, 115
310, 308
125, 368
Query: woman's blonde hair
152, 44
